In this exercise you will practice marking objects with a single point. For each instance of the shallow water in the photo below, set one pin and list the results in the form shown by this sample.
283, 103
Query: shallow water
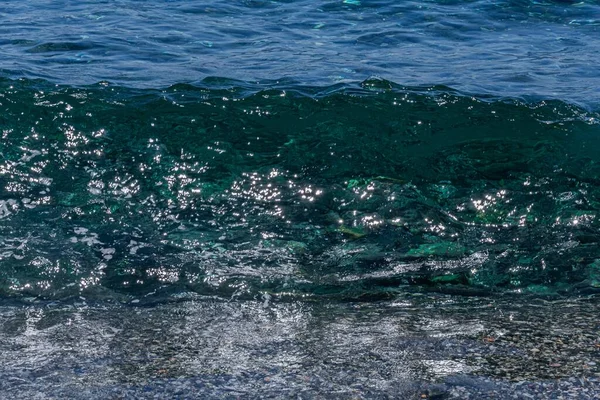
415, 347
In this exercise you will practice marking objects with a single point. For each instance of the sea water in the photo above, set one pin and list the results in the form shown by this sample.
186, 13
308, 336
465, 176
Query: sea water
300, 152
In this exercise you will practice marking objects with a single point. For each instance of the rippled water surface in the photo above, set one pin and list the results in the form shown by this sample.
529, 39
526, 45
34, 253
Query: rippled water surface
506, 47
354, 198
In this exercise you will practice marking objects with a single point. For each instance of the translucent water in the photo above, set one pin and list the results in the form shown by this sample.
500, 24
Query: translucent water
316, 199
348, 191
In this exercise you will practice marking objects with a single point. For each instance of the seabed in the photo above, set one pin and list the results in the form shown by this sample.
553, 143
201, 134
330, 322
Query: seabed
415, 347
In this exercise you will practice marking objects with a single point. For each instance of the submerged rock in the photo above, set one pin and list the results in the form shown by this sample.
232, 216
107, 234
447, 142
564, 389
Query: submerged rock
594, 273
443, 249
354, 233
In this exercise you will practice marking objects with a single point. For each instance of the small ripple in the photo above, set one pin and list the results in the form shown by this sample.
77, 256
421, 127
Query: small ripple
61, 47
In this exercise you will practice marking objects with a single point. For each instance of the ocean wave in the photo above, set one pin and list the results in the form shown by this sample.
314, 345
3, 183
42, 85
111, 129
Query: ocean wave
248, 189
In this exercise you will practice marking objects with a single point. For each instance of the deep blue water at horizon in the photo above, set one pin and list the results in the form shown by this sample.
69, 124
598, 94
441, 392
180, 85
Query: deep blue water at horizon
513, 48
299, 149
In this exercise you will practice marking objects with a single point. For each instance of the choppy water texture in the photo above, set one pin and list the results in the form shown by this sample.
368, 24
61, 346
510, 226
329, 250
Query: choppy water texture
352, 192
507, 47
281, 198
433, 347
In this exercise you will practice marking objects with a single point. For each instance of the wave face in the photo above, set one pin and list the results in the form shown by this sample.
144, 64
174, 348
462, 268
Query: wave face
349, 192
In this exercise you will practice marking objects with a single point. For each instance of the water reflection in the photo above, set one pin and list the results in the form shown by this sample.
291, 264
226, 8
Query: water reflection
235, 348
293, 195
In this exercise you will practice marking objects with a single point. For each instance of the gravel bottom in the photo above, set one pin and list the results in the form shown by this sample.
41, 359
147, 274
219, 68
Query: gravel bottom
416, 347
462, 387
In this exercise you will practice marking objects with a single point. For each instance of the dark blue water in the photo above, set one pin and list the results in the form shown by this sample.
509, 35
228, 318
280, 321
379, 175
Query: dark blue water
547, 49
354, 198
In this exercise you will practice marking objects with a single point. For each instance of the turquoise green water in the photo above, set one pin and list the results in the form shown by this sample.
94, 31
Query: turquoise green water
347, 192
